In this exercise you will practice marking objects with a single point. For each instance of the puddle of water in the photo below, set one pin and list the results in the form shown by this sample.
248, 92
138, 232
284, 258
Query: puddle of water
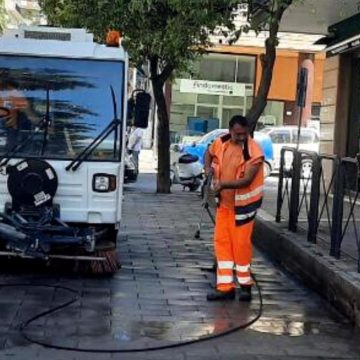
160, 331
286, 327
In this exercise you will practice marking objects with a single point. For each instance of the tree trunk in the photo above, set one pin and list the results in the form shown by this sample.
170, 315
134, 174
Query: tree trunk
163, 136
268, 62
260, 101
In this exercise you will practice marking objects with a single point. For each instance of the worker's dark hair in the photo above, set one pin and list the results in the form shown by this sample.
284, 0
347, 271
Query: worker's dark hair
240, 120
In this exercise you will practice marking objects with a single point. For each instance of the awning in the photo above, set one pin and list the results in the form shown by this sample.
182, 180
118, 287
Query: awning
344, 46
316, 16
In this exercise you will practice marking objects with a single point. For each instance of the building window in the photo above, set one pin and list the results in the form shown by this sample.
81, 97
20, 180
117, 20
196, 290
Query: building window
227, 68
238, 101
273, 114
208, 99
217, 68
246, 69
180, 115
315, 111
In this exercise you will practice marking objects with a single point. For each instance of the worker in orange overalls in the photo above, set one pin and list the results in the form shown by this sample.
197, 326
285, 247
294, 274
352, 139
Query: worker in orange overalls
236, 162
16, 113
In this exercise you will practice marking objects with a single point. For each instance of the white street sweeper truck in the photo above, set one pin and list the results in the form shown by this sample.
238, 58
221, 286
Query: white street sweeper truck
63, 111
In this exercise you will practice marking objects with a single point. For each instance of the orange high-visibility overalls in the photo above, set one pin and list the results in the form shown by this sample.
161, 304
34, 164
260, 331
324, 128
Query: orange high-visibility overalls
234, 226
14, 101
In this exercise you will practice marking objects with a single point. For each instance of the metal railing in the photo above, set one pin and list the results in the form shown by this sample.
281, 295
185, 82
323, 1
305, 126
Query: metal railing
322, 196
285, 183
346, 209
322, 193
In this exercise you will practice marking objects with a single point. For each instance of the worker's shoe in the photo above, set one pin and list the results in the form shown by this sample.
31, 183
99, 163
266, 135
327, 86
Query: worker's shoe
217, 295
245, 293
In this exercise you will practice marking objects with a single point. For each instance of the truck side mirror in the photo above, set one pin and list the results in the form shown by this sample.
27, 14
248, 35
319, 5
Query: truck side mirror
139, 108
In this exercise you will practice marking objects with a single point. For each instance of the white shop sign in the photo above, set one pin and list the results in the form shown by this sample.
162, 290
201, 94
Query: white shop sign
211, 87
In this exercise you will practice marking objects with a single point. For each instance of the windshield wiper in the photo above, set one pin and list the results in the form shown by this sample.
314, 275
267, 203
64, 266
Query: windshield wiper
113, 126
46, 121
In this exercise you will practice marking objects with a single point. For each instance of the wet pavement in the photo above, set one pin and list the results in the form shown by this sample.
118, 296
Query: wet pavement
158, 298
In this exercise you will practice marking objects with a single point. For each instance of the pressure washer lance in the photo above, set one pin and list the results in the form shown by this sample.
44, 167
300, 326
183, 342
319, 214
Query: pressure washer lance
208, 183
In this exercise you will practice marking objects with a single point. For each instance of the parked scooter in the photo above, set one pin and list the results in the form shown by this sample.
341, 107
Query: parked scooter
185, 169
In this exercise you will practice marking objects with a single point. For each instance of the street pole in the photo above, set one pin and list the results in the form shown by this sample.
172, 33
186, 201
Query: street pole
301, 99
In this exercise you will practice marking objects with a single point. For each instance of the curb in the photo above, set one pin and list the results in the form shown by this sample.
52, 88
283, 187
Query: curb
332, 278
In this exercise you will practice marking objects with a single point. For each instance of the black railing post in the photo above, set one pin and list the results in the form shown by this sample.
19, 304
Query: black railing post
295, 190
338, 210
280, 199
314, 198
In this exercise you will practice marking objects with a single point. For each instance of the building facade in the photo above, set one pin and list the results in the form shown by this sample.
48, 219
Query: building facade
224, 82
23, 12
340, 115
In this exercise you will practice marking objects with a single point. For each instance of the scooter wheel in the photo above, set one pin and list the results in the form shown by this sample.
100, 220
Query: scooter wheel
193, 187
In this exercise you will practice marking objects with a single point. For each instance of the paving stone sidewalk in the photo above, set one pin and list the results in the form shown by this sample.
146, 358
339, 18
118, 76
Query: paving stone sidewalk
158, 297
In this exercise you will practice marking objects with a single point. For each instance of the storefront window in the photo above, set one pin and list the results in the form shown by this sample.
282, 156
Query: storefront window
227, 68
208, 99
249, 102
273, 114
182, 98
209, 104
246, 69
227, 114
207, 112
218, 68
233, 100
179, 115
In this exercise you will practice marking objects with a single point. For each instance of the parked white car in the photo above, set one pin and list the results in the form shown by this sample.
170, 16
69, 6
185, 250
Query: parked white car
287, 136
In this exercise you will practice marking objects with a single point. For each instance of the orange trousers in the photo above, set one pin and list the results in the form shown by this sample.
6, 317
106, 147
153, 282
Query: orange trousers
233, 250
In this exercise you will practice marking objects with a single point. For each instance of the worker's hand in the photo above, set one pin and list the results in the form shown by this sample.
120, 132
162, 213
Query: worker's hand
218, 186
209, 171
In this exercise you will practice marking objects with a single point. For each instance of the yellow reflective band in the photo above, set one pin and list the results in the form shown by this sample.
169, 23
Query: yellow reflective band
250, 194
224, 265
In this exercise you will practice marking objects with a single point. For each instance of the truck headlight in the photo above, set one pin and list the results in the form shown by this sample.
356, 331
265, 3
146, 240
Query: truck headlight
104, 183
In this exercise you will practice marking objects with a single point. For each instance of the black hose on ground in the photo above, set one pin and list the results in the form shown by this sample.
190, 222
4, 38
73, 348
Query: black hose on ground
77, 297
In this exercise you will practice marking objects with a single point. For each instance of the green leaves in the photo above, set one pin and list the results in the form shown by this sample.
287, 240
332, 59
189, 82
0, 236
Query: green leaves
2, 16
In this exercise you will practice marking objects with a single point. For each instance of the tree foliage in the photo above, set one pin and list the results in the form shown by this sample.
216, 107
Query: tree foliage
2, 16
168, 35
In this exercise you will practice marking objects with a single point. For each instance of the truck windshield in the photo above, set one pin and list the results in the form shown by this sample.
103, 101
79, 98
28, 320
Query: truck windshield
80, 105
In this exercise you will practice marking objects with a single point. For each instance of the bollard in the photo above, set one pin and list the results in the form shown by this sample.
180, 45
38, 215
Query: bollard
337, 213
314, 198
279, 201
295, 189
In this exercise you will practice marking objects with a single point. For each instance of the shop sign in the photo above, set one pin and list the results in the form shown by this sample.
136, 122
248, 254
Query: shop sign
344, 47
211, 87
